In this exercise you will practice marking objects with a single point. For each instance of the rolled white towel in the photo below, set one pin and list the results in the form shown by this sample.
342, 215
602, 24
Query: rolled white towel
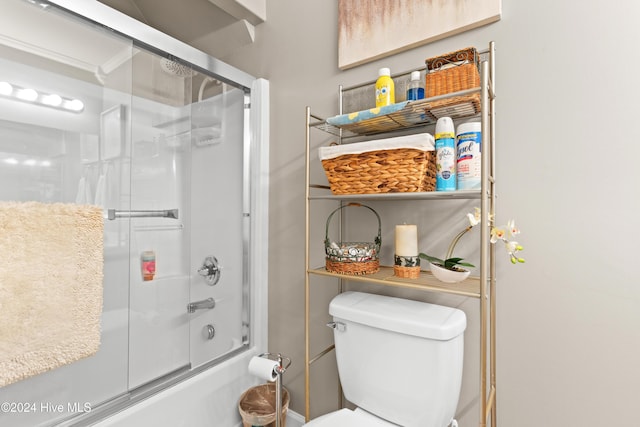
420, 141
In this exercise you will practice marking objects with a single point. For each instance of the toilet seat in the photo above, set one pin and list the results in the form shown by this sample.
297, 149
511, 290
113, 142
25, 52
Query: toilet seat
348, 418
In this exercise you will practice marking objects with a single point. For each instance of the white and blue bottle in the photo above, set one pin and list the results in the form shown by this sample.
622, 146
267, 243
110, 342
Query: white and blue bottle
415, 90
469, 150
445, 155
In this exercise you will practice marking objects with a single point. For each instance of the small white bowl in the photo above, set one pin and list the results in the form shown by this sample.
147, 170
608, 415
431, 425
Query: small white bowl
448, 276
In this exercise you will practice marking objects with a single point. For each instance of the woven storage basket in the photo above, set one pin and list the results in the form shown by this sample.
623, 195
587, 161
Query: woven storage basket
453, 72
353, 258
383, 171
257, 406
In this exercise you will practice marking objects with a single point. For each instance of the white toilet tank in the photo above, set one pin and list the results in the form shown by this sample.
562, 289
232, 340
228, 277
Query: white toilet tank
399, 359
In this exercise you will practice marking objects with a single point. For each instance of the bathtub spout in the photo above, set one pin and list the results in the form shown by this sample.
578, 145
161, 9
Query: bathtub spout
205, 304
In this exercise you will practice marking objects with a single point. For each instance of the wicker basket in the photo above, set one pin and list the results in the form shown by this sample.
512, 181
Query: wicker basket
257, 406
451, 73
353, 258
384, 171
406, 272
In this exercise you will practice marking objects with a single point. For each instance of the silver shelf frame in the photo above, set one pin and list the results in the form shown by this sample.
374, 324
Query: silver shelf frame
430, 195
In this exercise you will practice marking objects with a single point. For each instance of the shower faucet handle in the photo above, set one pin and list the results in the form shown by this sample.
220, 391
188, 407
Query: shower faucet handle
210, 270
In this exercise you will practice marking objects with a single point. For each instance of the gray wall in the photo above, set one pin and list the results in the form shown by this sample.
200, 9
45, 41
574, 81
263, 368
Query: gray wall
568, 320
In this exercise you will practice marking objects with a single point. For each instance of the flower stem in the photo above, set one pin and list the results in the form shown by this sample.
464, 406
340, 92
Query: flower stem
455, 241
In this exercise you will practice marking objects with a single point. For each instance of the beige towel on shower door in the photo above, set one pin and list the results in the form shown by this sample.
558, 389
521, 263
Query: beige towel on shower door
51, 271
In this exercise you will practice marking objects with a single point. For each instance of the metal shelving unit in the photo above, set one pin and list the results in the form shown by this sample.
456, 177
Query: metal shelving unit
419, 113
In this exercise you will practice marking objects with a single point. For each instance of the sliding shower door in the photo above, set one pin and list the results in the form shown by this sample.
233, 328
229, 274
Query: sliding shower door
161, 147
160, 163
64, 138
220, 220
188, 157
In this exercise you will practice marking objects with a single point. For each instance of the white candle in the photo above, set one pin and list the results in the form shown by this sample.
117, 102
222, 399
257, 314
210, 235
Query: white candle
407, 240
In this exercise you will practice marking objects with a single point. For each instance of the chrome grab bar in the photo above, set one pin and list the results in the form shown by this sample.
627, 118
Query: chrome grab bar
168, 213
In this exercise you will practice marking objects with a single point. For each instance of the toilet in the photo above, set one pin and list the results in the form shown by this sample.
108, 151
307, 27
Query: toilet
399, 361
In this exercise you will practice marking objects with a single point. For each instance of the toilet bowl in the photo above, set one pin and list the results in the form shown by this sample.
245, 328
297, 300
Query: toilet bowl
399, 361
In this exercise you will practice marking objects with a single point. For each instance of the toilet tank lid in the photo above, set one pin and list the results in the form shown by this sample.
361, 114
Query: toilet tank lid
400, 315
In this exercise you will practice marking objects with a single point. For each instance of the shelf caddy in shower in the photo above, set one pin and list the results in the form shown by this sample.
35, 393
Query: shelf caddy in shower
169, 213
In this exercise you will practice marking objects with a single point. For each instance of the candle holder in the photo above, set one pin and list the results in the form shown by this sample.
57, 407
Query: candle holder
407, 267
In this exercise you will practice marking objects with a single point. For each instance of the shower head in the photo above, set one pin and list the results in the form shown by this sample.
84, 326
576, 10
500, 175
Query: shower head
175, 68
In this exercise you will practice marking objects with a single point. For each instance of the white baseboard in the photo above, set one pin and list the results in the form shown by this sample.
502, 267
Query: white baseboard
294, 419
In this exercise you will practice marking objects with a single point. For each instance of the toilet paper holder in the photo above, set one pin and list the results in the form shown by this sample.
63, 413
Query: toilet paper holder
279, 369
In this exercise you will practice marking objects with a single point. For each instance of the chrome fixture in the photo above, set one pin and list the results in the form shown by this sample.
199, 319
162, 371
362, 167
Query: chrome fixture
169, 213
279, 371
210, 332
210, 270
205, 304
338, 326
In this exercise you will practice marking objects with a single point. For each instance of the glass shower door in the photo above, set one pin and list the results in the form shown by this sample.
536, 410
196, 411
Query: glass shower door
160, 180
51, 153
162, 150
219, 220
188, 155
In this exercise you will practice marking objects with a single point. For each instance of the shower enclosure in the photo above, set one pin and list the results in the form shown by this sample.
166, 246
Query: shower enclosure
98, 109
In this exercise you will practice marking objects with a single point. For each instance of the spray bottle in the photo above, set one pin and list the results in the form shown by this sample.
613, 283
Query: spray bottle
469, 149
445, 155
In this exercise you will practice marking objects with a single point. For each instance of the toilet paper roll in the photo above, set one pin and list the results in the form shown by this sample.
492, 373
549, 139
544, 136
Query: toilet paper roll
263, 368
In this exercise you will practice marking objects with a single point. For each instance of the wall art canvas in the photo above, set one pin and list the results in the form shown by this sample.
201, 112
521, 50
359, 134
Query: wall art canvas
372, 29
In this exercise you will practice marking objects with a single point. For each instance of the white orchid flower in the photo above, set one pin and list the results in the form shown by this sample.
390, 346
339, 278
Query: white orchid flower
511, 226
474, 218
501, 233
497, 233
